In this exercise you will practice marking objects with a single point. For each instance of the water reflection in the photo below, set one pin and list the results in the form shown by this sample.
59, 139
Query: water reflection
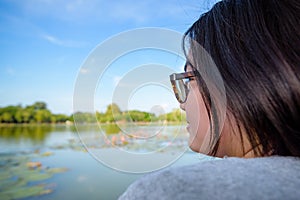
58, 146
138, 138
36, 134
93, 135
101, 128
111, 129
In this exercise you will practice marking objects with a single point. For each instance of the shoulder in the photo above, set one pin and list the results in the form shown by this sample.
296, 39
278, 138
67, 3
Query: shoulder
233, 178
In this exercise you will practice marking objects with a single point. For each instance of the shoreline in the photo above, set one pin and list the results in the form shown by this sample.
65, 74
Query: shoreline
74, 124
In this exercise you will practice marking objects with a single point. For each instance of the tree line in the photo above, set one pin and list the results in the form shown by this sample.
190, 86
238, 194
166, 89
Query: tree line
35, 113
113, 113
39, 113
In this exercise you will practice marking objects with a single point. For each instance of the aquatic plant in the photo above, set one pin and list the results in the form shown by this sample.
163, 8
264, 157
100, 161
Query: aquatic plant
20, 177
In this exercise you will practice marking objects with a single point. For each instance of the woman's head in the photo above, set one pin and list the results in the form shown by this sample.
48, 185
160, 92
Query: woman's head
255, 46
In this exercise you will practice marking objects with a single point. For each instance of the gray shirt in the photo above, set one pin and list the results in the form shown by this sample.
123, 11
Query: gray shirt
231, 178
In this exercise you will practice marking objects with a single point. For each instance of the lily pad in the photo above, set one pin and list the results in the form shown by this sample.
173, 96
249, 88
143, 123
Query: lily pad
38, 176
22, 192
48, 153
56, 170
4, 175
19, 180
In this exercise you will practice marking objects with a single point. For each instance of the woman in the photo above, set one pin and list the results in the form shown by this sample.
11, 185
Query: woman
243, 100
255, 46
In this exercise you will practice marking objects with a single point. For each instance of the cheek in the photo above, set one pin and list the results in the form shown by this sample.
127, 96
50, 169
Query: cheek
198, 122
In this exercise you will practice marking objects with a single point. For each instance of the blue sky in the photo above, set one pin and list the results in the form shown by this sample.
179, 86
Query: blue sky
43, 43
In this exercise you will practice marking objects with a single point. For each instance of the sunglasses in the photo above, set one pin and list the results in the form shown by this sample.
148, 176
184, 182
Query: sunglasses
180, 84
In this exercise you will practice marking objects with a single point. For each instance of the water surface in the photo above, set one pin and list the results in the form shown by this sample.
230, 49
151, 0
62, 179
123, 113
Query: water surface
59, 146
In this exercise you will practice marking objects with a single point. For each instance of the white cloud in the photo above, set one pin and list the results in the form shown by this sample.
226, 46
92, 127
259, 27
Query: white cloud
52, 39
66, 43
10, 71
84, 71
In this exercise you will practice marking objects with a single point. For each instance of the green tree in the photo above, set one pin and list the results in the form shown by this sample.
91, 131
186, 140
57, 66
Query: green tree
37, 112
39, 105
8, 113
139, 116
112, 113
28, 115
113, 109
42, 116
84, 117
60, 118
19, 116
175, 116
7, 117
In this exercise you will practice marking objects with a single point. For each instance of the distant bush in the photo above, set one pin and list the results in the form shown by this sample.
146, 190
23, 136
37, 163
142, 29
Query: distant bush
35, 113
39, 113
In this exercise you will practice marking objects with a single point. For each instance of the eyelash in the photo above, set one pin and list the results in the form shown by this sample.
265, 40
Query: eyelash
188, 80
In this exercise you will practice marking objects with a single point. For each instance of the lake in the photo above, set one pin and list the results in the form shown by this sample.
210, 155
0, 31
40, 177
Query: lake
87, 161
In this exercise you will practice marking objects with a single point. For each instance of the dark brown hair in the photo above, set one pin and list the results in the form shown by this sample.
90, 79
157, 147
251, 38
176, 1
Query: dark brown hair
255, 45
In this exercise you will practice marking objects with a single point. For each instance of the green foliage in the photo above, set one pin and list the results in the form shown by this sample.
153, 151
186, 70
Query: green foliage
59, 118
35, 113
113, 114
84, 117
18, 180
42, 116
38, 106
138, 116
175, 116
38, 113
113, 109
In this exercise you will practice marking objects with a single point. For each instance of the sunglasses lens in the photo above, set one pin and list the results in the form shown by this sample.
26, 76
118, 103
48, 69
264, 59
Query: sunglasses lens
181, 90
